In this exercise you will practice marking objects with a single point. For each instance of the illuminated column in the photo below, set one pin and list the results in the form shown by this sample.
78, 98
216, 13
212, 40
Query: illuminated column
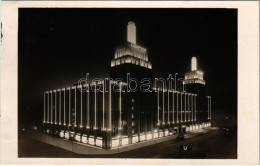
163, 106
81, 109
103, 105
120, 106
48, 108
193, 63
51, 108
120, 110
87, 127
44, 118
64, 107
177, 93
185, 106
131, 32
195, 107
188, 107
210, 107
95, 108
60, 108
158, 107
55, 107
75, 106
168, 121
173, 106
192, 107
181, 106
69, 106
109, 108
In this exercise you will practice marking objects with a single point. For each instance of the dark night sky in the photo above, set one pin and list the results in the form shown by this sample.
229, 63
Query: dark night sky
57, 47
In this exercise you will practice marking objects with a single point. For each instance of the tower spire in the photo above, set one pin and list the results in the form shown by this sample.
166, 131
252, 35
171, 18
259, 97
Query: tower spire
193, 63
131, 32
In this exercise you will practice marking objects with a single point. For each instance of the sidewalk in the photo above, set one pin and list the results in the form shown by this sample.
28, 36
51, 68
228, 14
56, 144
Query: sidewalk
82, 148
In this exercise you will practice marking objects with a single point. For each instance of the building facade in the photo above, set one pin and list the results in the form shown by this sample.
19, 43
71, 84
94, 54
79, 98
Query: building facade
106, 114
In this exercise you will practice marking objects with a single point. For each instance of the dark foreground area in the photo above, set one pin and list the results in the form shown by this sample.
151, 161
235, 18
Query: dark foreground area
214, 145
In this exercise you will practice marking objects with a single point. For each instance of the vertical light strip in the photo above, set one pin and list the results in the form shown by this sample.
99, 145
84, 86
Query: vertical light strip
158, 107
168, 121
177, 93
48, 108
185, 108
210, 107
104, 105
51, 108
195, 107
55, 107
192, 107
188, 107
75, 106
69, 106
81, 109
88, 106
181, 106
44, 119
64, 105
60, 108
173, 106
110, 107
120, 105
95, 108
163, 106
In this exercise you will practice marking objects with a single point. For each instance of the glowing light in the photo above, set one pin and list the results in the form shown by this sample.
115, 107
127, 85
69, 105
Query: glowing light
67, 135
134, 139
84, 139
125, 141
69, 106
91, 140
155, 135
161, 133
166, 132
95, 109
64, 120
44, 109
77, 138
193, 63
149, 136
62, 134
99, 141
131, 32
142, 138
51, 108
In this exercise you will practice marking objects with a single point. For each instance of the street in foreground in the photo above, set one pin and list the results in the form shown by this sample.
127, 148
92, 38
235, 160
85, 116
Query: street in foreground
216, 144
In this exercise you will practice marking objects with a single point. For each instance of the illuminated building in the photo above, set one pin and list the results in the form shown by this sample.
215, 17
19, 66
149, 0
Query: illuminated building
108, 118
131, 58
195, 83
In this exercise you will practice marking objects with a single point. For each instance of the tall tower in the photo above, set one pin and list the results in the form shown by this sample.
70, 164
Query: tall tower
195, 83
131, 58
193, 63
131, 32
194, 76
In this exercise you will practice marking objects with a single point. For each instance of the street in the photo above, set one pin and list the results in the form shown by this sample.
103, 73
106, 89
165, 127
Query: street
213, 145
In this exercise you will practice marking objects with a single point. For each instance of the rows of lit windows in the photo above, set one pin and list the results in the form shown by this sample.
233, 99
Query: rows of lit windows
131, 60
128, 49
